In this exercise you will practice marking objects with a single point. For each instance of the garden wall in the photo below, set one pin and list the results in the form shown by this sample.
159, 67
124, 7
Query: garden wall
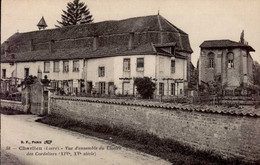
228, 134
15, 105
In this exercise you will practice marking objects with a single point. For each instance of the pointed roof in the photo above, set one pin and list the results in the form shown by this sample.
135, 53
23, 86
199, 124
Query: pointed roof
42, 23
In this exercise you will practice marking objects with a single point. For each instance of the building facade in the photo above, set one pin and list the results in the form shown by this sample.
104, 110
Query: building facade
102, 57
226, 62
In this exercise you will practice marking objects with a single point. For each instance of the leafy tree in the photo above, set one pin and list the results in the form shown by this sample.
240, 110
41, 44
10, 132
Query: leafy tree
77, 13
29, 80
145, 87
256, 73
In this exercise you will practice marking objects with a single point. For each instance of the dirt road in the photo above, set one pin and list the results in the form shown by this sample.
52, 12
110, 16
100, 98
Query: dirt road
38, 144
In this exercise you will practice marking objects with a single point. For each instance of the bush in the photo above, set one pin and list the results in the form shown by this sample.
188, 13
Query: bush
145, 87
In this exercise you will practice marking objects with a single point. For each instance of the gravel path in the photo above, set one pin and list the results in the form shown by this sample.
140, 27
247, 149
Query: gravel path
38, 144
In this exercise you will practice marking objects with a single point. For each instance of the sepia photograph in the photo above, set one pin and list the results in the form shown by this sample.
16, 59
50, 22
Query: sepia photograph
130, 82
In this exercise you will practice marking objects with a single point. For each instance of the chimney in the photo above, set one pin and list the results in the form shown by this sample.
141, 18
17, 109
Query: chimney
51, 45
131, 40
95, 42
6, 48
31, 45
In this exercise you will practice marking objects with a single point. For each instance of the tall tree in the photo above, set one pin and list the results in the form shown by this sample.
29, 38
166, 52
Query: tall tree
256, 73
77, 13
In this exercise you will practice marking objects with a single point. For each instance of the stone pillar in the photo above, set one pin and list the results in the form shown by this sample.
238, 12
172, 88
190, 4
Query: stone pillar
26, 100
42, 111
50, 94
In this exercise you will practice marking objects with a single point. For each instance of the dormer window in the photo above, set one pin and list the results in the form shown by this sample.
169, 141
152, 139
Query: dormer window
172, 66
12, 56
172, 50
230, 57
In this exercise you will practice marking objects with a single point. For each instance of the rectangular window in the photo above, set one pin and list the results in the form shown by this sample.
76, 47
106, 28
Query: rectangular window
3, 73
211, 62
47, 67
65, 66
102, 87
173, 66
172, 89
126, 64
26, 72
161, 89
140, 64
230, 60
230, 63
101, 71
76, 66
56, 66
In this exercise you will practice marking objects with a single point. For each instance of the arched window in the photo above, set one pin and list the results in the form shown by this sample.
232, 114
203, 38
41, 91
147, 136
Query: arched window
211, 60
230, 57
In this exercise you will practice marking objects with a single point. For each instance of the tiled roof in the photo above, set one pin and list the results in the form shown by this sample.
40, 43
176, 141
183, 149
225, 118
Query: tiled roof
77, 53
224, 44
82, 53
108, 28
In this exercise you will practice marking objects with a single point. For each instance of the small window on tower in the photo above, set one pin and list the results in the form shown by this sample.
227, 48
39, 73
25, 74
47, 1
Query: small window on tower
211, 60
230, 60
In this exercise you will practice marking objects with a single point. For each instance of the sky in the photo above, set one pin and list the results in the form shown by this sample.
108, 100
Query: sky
200, 19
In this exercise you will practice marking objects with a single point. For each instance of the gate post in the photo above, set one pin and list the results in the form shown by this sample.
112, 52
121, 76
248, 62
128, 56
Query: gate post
26, 100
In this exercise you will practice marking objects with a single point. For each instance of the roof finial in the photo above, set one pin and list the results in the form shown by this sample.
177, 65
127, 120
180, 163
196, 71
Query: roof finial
42, 24
242, 39
159, 11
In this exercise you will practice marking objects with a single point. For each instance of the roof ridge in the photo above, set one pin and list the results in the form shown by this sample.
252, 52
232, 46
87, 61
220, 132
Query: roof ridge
176, 28
69, 26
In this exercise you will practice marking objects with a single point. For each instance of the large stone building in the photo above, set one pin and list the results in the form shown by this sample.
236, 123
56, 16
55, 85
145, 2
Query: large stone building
104, 56
227, 62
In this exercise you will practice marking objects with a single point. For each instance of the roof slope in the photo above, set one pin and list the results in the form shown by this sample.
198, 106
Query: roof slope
224, 44
112, 35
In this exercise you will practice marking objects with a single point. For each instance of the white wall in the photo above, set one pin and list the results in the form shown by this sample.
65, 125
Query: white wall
114, 70
18, 68
155, 66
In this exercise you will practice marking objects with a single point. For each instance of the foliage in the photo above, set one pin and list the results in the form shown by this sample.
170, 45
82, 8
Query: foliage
145, 87
45, 81
77, 13
194, 77
29, 80
256, 73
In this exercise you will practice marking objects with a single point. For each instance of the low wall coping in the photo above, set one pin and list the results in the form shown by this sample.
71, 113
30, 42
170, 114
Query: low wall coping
245, 111
11, 101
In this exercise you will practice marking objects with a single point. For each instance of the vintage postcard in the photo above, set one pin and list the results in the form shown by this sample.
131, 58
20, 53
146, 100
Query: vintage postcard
130, 82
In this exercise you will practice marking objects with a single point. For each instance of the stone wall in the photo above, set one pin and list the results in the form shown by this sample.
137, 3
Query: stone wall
15, 105
223, 133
